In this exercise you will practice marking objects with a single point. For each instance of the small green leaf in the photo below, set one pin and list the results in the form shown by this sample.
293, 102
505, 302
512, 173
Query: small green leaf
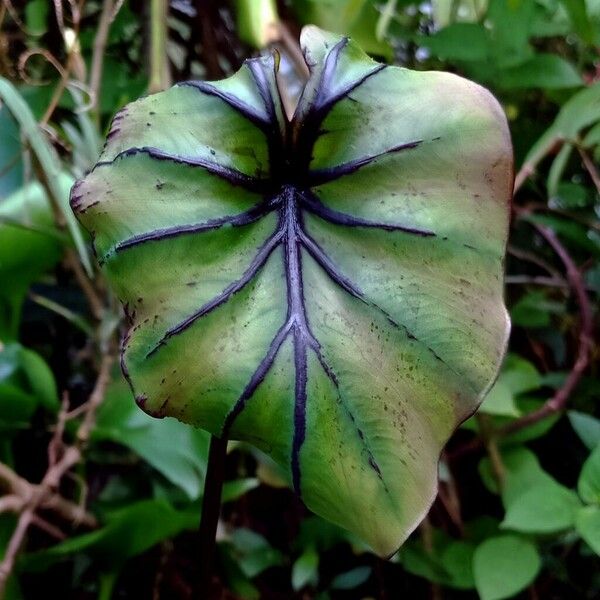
418, 561
537, 429
305, 571
459, 41
253, 552
36, 16
503, 566
500, 401
588, 485
351, 579
26, 382
579, 112
586, 427
544, 508
509, 24
580, 20
522, 472
48, 163
517, 376
30, 245
128, 532
547, 71
457, 560
587, 524
232, 490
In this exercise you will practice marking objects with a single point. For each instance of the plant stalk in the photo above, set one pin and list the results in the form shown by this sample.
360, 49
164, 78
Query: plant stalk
211, 508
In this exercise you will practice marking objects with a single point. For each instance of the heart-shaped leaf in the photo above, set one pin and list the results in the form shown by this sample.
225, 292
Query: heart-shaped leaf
327, 288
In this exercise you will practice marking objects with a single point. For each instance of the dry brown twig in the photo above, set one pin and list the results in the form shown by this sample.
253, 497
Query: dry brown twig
110, 9
584, 343
589, 166
44, 494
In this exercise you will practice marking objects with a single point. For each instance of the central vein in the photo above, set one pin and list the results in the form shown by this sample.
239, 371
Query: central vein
296, 318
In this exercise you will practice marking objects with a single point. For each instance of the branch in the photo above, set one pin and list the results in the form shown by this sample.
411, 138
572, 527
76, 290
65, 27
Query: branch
41, 496
558, 402
590, 166
107, 16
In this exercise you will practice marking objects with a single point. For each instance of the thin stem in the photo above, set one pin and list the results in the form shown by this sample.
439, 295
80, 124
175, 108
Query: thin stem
584, 347
589, 166
211, 508
107, 16
160, 78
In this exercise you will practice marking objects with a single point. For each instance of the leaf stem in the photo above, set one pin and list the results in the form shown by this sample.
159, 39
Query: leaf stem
211, 508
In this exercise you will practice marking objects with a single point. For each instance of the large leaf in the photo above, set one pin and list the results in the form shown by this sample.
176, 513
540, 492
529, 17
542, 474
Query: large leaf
328, 289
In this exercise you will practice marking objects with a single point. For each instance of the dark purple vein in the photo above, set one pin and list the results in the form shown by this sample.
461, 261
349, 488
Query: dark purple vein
349, 286
320, 176
240, 106
257, 377
331, 62
310, 201
299, 406
231, 175
262, 84
257, 263
329, 267
303, 337
324, 100
245, 218
326, 103
334, 380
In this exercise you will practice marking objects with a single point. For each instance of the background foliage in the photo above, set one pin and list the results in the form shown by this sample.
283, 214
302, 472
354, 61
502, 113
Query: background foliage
101, 501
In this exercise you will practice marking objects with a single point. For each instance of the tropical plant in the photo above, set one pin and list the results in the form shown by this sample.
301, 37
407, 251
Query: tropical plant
327, 288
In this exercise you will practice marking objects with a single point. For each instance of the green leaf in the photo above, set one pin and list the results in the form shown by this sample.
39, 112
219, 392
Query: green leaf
351, 579
587, 523
11, 158
253, 552
509, 23
232, 490
305, 571
26, 382
536, 430
544, 508
547, 71
579, 112
328, 289
520, 375
237, 582
182, 463
522, 472
30, 245
457, 560
588, 485
36, 17
500, 401
128, 532
517, 376
580, 20
49, 163
503, 566
586, 427
460, 42
534, 310
416, 560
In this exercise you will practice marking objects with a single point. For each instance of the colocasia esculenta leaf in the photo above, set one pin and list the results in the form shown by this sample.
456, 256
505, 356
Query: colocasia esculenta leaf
328, 288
